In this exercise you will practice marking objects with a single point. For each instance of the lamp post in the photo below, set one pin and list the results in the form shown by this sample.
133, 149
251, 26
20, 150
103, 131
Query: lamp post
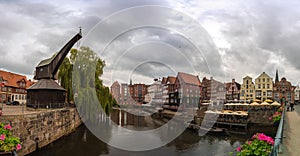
2, 85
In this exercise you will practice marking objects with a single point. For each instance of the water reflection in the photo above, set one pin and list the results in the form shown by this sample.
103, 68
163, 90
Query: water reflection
83, 142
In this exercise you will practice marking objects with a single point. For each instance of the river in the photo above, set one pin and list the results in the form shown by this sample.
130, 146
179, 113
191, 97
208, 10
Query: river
82, 142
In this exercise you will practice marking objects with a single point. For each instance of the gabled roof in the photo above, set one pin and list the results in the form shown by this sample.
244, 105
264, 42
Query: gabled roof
189, 79
116, 83
247, 77
12, 79
29, 83
263, 74
171, 79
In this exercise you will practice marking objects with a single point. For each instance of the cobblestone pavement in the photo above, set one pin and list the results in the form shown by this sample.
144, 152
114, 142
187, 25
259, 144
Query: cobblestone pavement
291, 133
14, 110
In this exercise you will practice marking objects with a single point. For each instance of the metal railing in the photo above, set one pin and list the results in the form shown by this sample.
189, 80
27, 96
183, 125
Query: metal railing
279, 136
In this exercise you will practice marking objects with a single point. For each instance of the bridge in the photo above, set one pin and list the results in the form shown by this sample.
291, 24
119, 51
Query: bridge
287, 139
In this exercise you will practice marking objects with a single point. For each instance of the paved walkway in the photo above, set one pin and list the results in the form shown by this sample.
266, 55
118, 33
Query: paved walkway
291, 144
15, 110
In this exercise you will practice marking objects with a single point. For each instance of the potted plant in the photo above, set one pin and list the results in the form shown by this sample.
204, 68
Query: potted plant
8, 143
259, 145
276, 117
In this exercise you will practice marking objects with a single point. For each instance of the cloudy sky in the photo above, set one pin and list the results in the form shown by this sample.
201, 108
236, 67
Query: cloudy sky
144, 39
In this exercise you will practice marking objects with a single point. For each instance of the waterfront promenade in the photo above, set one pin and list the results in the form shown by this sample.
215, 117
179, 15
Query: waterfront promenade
16, 110
291, 133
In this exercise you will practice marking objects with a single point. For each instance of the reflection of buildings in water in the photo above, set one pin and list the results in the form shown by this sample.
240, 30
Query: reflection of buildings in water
123, 118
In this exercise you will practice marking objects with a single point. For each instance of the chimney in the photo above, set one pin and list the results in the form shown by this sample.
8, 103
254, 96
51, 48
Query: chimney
233, 80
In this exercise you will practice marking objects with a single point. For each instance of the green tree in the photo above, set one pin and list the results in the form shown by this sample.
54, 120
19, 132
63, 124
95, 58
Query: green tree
89, 68
65, 78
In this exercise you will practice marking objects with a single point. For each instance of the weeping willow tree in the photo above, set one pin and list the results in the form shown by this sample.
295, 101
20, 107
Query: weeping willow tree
80, 73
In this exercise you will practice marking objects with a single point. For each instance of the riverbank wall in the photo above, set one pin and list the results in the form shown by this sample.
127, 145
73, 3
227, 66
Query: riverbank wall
41, 128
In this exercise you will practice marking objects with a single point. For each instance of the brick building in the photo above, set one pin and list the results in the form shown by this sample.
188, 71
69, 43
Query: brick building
284, 91
187, 90
233, 90
115, 90
138, 92
13, 87
212, 90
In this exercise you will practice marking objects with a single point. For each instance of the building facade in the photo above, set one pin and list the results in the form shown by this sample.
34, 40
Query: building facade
284, 91
13, 87
125, 97
263, 87
233, 90
247, 92
297, 94
188, 89
115, 90
138, 92
154, 94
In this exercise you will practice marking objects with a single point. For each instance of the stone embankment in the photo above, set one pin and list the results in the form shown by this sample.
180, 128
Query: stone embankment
38, 129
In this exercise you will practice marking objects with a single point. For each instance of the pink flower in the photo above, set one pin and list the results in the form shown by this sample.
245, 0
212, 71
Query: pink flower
270, 140
262, 137
7, 126
270, 118
249, 142
19, 146
2, 137
239, 149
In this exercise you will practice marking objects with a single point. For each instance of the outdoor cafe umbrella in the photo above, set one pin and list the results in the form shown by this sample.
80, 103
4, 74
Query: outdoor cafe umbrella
275, 104
265, 104
254, 104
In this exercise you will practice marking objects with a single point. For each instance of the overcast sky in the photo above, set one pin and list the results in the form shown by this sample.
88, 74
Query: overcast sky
224, 39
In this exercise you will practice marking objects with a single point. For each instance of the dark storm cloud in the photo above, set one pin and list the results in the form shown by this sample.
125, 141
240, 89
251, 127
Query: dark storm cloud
262, 35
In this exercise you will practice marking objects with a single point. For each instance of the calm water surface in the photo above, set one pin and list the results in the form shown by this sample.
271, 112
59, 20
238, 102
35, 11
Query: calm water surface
82, 142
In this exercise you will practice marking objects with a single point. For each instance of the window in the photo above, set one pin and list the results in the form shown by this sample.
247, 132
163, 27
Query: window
268, 86
264, 93
263, 80
258, 86
269, 93
263, 86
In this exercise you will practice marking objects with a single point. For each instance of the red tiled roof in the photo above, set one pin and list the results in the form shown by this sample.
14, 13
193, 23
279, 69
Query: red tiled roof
29, 83
11, 79
171, 79
188, 78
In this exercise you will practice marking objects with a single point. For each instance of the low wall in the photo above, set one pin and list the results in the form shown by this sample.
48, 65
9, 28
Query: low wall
39, 129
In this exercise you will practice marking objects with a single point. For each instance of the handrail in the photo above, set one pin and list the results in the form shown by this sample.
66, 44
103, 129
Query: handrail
279, 136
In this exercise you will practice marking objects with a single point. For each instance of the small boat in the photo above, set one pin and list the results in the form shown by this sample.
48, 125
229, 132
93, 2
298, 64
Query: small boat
216, 130
211, 130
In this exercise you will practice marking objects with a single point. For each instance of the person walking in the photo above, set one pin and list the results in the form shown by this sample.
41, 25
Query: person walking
287, 106
292, 106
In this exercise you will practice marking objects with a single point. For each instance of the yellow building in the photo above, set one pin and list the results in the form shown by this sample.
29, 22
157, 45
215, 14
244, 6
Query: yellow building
263, 87
247, 89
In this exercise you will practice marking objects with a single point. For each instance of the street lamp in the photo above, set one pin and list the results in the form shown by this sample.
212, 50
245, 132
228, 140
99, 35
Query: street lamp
2, 85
